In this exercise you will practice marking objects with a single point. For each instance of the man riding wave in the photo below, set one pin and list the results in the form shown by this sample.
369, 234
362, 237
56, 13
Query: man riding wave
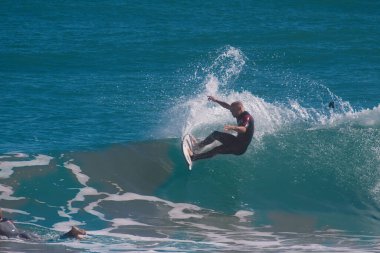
231, 144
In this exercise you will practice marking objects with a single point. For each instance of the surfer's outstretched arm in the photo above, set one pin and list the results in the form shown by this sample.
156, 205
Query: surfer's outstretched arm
221, 103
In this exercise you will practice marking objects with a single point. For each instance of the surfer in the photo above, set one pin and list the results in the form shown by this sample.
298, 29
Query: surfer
8, 229
231, 144
75, 233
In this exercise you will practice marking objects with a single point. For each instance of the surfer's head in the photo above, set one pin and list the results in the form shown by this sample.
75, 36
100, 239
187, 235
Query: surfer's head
237, 108
76, 232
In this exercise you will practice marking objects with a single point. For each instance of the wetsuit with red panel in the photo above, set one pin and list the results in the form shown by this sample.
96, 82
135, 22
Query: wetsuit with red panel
231, 144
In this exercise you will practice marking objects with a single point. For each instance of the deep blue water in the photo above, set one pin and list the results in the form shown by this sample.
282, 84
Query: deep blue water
89, 83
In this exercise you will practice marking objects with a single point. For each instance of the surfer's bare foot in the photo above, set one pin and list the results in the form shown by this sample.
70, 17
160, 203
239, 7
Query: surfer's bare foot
195, 145
190, 152
194, 142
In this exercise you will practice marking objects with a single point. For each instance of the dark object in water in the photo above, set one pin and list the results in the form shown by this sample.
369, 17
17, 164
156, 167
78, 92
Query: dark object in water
332, 105
8, 229
75, 232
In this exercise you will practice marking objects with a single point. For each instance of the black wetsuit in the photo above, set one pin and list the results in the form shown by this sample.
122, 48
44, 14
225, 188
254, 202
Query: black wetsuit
231, 144
8, 229
68, 235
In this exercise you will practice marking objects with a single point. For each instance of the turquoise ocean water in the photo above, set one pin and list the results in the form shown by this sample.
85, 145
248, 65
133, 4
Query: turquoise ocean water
95, 97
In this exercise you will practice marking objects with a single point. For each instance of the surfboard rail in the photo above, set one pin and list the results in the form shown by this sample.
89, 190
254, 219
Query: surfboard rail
187, 148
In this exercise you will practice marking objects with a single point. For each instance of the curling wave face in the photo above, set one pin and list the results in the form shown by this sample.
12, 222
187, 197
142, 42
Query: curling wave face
297, 181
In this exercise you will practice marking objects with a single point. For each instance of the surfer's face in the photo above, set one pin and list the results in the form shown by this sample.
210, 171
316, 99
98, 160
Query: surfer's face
236, 110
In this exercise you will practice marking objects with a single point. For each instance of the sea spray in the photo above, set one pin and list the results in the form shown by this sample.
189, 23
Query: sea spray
194, 114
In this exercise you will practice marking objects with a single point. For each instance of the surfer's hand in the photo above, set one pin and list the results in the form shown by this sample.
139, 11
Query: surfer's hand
229, 128
211, 98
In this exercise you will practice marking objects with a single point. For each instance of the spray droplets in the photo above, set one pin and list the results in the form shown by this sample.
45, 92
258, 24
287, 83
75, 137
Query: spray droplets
306, 109
227, 65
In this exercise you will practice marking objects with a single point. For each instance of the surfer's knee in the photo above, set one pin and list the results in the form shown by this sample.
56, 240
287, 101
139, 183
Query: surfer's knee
219, 136
215, 134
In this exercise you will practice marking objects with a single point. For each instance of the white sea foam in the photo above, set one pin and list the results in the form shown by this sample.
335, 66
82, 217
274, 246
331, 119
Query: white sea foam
126, 222
80, 196
201, 226
82, 178
6, 167
364, 118
14, 155
232, 235
36, 219
177, 211
243, 215
9, 210
6, 193
90, 208
20, 155
85, 191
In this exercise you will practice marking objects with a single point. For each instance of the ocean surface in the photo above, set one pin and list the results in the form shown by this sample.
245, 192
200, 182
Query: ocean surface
96, 95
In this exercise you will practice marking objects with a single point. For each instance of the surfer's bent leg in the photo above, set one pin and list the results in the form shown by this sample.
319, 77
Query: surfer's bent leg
208, 154
224, 138
232, 148
229, 145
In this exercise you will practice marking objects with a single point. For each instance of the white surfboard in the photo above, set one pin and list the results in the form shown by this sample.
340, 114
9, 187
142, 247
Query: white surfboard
187, 147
